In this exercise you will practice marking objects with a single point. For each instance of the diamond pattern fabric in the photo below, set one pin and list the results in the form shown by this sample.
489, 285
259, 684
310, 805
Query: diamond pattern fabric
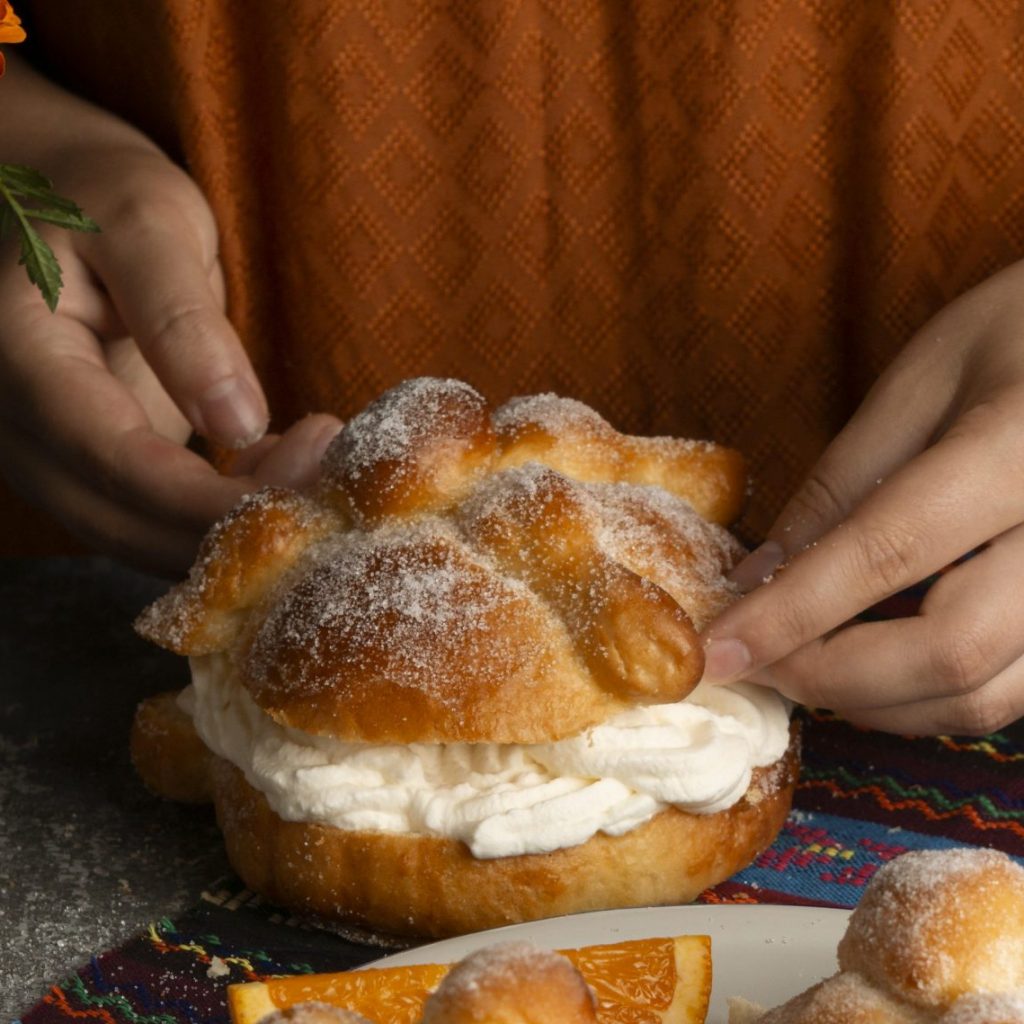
717, 218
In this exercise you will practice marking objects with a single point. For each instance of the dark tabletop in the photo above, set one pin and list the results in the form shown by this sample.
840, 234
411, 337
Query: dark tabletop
87, 856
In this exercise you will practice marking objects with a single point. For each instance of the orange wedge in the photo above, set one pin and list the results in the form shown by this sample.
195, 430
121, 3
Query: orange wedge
644, 981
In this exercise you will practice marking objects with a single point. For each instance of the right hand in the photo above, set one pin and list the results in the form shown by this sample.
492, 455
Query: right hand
99, 400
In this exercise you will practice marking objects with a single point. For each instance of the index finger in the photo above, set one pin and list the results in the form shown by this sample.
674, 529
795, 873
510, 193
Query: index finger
158, 269
954, 496
57, 388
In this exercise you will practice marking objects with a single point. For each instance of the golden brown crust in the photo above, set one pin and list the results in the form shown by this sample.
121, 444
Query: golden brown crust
416, 450
463, 574
512, 983
490, 680
935, 926
439, 585
937, 938
571, 438
238, 563
543, 529
425, 886
166, 752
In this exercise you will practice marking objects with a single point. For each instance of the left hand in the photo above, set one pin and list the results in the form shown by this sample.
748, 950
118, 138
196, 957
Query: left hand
928, 469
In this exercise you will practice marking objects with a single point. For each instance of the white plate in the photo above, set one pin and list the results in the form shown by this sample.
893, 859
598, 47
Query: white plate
765, 953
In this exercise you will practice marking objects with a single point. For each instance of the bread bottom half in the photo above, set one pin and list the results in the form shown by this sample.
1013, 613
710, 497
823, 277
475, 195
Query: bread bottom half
426, 886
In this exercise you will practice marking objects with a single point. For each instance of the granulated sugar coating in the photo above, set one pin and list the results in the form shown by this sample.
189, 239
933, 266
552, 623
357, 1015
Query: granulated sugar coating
315, 1013
402, 604
568, 418
502, 963
934, 925
511, 571
937, 938
662, 538
843, 997
988, 1008
556, 415
387, 430
645, 529
512, 982
260, 537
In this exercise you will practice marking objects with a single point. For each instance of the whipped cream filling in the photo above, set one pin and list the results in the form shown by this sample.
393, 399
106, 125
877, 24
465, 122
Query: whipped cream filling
501, 799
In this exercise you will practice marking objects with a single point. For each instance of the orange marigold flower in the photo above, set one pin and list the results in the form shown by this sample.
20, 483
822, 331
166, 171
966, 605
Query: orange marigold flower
10, 28
10, 24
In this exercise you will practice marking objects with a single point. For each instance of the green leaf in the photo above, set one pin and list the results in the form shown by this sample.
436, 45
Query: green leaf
41, 264
19, 183
43, 195
16, 176
74, 220
26, 183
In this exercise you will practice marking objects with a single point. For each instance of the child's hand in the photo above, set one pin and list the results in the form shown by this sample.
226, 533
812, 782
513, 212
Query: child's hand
930, 468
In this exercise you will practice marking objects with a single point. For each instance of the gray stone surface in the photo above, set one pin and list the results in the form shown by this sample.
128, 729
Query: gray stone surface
87, 856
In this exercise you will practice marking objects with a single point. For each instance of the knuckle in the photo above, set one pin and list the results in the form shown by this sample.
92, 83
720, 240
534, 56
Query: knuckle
181, 323
819, 499
794, 680
188, 335
960, 662
979, 713
792, 624
158, 202
884, 555
137, 212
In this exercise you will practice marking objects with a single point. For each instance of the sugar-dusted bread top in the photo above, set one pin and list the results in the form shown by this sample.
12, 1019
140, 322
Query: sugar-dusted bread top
937, 938
466, 573
512, 983
936, 925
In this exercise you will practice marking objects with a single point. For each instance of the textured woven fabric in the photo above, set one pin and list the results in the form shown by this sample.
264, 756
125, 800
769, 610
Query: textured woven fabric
715, 218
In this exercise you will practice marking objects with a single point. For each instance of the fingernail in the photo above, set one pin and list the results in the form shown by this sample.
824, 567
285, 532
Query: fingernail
758, 566
724, 660
231, 412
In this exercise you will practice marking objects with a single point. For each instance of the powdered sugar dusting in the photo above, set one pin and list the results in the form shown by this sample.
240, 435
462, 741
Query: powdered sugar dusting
388, 429
918, 910
396, 604
173, 617
561, 417
661, 537
506, 968
988, 1008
